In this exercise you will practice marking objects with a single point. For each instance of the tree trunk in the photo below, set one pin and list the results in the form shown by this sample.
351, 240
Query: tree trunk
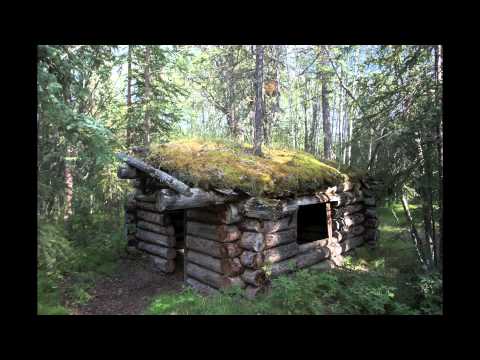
439, 102
258, 129
413, 231
68, 185
146, 123
327, 132
129, 97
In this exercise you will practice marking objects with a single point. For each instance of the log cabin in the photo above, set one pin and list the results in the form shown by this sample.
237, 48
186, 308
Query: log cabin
225, 217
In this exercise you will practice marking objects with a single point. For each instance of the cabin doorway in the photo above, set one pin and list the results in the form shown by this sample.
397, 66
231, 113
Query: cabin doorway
179, 225
312, 223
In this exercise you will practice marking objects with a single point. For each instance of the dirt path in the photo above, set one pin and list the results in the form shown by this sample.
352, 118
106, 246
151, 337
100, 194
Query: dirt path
130, 290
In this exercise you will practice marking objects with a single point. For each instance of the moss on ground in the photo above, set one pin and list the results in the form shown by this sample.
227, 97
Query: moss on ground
215, 164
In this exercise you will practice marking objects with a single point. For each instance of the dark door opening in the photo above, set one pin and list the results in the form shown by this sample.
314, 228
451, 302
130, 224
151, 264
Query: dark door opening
312, 223
178, 222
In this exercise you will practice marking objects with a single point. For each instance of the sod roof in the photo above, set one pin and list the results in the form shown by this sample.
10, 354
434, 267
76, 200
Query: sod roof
215, 164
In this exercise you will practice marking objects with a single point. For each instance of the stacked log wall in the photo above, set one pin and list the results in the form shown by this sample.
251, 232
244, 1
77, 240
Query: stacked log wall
151, 231
248, 243
212, 252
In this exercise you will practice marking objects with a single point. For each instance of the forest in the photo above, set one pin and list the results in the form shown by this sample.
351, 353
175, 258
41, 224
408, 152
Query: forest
373, 108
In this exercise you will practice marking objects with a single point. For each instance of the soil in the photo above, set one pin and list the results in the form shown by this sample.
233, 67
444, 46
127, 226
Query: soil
130, 290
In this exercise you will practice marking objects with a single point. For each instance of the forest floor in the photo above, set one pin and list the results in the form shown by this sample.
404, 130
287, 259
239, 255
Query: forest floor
129, 290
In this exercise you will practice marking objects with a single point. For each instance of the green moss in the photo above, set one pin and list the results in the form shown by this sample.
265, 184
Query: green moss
213, 164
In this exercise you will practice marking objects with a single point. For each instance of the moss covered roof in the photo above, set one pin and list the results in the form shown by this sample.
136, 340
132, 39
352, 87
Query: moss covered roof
214, 164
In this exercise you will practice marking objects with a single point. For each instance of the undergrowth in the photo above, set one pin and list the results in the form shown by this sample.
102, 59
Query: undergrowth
71, 257
382, 281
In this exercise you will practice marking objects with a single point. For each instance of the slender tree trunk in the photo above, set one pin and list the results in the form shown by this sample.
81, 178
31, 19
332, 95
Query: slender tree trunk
129, 97
258, 129
313, 131
327, 132
413, 231
68, 185
146, 123
439, 102
426, 193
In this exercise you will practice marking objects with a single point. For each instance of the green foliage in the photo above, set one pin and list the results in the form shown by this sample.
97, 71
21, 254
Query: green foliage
383, 281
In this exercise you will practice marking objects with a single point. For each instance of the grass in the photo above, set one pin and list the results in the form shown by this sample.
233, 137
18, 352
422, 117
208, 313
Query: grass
386, 280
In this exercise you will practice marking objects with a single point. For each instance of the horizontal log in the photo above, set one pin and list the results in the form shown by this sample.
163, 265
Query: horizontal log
348, 210
148, 236
159, 175
269, 226
226, 266
312, 246
312, 257
209, 277
347, 198
354, 219
170, 200
266, 210
160, 229
164, 265
201, 287
279, 238
293, 204
212, 248
280, 253
370, 201
221, 214
146, 206
351, 243
347, 233
252, 241
222, 233
346, 186
162, 251
254, 277
371, 223
140, 196
251, 259
127, 172
283, 267
323, 265
161, 219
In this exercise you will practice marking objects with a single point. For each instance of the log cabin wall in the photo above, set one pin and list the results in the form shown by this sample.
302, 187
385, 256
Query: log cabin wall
246, 245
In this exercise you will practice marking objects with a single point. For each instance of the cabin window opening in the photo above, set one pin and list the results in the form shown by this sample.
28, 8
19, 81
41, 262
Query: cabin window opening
312, 223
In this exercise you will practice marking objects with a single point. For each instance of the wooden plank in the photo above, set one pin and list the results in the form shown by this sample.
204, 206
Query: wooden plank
227, 266
165, 230
280, 253
222, 233
162, 251
212, 248
252, 241
220, 214
164, 265
161, 219
279, 238
148, 236
201, 287
312, 257
170, 200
